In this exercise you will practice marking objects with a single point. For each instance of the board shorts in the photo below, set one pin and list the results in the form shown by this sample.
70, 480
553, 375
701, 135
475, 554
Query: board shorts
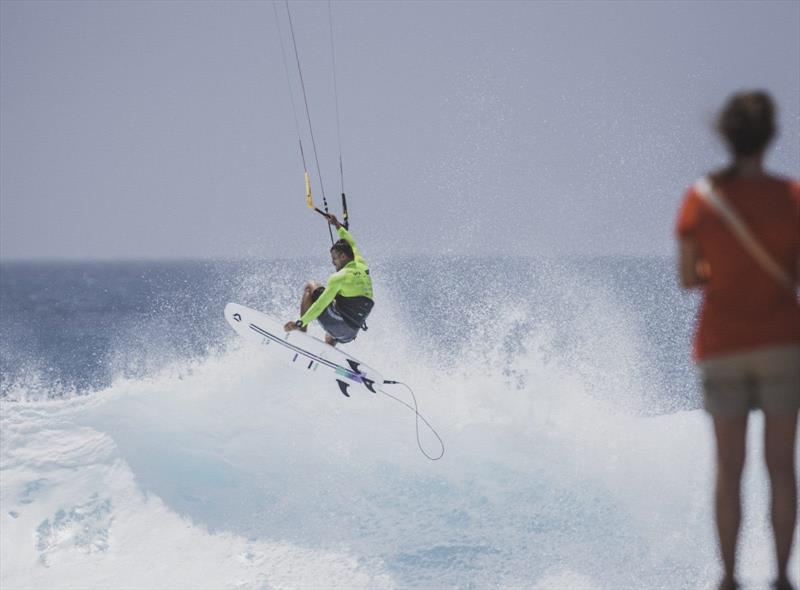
333, 322
765, 378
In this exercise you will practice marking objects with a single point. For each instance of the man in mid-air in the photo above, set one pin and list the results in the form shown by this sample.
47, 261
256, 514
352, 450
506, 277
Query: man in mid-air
344, 303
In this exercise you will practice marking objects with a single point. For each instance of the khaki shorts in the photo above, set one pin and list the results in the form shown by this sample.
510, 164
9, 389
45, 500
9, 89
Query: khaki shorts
766, 378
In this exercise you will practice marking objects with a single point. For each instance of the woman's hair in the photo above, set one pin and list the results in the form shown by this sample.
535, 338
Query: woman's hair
747, 122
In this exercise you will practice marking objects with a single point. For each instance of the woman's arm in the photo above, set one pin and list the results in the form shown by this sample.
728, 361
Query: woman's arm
693, 269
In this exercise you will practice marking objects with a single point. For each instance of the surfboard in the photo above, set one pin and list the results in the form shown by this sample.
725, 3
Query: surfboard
302, 349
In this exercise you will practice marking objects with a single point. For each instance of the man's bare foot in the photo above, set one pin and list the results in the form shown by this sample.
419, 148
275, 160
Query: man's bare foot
728, 584
329, 340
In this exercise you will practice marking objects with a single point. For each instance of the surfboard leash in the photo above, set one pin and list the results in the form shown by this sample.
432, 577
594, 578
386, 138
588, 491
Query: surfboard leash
415, 409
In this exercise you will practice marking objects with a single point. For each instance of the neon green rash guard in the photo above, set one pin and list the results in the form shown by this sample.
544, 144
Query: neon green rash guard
352, 280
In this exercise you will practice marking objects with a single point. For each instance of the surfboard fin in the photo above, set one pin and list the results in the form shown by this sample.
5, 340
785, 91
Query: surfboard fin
343, 387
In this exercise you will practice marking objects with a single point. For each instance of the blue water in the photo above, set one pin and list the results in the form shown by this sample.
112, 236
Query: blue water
144, 444
72, 328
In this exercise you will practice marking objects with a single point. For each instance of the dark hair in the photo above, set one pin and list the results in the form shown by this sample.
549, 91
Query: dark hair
342, 247
747, 122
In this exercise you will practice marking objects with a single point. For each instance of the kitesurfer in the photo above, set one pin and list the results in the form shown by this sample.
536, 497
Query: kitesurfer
341, 306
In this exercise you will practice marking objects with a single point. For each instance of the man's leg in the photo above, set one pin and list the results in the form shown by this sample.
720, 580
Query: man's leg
780, 431
730, 433
308, 297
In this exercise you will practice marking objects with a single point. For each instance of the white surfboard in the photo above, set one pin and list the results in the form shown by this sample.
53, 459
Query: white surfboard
302, 349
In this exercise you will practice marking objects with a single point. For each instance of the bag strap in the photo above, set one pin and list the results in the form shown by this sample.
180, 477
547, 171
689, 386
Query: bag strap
705, 189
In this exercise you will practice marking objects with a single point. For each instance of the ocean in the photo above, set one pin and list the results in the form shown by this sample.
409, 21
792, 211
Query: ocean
145, 445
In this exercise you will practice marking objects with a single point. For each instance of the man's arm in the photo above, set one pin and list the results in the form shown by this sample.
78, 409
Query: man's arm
324, 300
345, 235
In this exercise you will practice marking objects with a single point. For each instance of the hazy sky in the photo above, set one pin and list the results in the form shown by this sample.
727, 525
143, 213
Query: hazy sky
165, 129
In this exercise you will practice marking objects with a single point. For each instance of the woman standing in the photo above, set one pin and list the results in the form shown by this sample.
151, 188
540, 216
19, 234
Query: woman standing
739, 233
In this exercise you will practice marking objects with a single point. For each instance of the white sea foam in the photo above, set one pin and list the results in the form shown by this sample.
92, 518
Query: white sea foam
239, 472
77, 513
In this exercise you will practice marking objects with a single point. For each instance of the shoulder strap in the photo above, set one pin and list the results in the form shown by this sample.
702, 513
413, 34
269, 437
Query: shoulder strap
735, 223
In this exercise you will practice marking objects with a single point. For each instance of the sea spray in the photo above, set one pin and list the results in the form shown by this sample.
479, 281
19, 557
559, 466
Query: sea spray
244, 472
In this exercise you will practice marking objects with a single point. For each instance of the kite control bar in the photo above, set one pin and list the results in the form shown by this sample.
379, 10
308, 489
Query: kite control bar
310, 200
325, 214
345, 215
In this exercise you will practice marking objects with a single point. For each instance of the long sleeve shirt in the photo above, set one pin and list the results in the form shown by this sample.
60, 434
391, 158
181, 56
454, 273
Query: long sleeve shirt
352, 280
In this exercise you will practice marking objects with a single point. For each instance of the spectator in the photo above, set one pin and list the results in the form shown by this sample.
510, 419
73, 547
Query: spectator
739, 234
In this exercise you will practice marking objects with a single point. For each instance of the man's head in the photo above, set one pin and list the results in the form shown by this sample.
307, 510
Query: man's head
341, 254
